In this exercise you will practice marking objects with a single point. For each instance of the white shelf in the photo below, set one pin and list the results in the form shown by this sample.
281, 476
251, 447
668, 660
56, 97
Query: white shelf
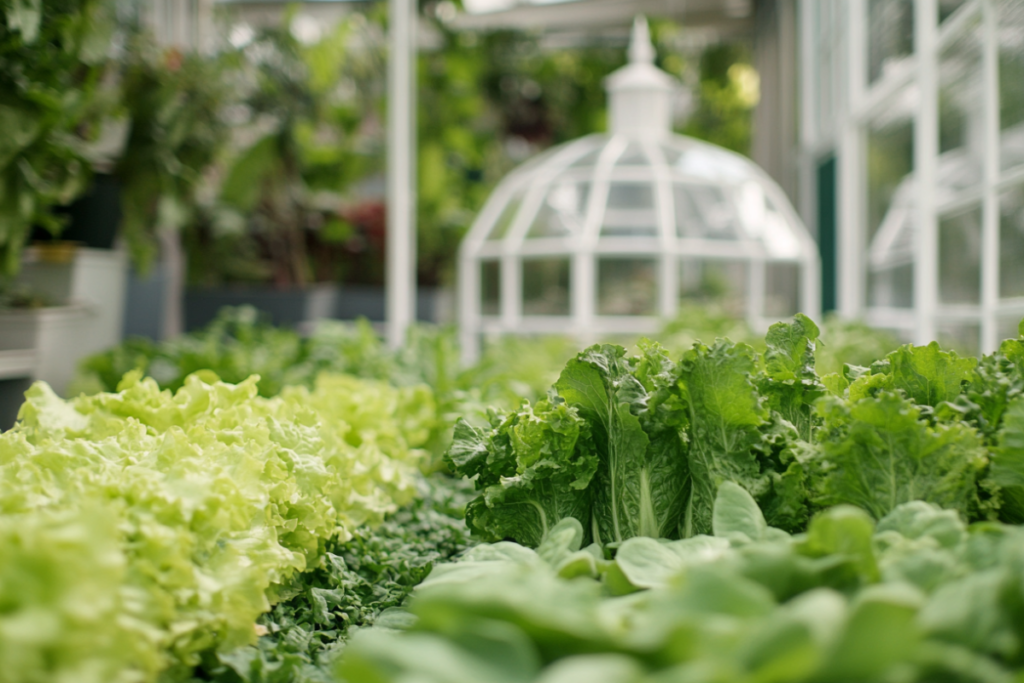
17, 363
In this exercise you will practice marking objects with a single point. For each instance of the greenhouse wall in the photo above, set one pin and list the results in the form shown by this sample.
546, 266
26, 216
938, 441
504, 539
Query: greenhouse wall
921, 105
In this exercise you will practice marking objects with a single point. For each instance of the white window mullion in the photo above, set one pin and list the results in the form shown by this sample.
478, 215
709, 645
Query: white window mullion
990, 178
926, 150
469, 307
851, 172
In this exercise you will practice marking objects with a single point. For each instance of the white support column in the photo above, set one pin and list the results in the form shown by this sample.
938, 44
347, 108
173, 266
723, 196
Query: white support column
810, 291
756, 285
851, 266
850, 261
469, 308
584, 293
990, 178
511, 276
401, 211
807, 96
926, 152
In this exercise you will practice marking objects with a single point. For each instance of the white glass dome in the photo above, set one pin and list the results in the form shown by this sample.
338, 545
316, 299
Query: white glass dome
608, 234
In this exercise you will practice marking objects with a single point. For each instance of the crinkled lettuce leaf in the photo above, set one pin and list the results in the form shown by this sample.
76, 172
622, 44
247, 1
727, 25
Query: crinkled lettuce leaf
876, 453
927, 374
725, 416
640, 484
534, 468
1007, 471
219, 496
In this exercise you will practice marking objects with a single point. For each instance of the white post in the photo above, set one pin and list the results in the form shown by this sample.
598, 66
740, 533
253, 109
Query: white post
926, 152
401, 216
469, 306
990, 173
850, 262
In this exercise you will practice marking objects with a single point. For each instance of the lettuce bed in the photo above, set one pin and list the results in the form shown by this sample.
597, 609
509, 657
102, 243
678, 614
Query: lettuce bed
143, 528
732, 516
724, 514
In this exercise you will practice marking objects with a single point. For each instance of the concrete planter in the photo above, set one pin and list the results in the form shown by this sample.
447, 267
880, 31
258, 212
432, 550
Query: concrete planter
287, 307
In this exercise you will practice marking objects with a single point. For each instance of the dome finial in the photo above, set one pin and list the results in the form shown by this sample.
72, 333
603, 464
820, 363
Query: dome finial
640, 94
641, 51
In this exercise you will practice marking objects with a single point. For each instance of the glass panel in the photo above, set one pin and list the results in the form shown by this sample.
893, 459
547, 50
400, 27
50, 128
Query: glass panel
962, 337
960, 258
781, 290
627, 286
490, 287
711, 163
722, 284
508, 215
562, 212
1007, 327
890, 158
947, 7
777, 234
588, 159
890, 35
630, 210
892, 287
890, 211
961, 115
1011, 82
546, 286
670, 154
1011, 243
634, 155
704, 212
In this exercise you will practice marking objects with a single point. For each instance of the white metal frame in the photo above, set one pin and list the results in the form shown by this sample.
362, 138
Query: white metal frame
857, 107
400, 271
584, 250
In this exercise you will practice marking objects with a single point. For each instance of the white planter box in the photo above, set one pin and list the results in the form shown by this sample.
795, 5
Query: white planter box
48, 343
45, 343
18, 329
96, 277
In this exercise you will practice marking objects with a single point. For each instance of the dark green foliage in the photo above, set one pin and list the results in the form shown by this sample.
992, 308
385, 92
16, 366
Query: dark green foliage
726, 415
918, 596
669, 434
52, 56
877, 454
534, 467
358, 579
174, 103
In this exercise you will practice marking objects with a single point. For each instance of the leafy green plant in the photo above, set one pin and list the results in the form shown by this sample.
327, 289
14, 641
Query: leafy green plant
170, 521
307, 108
51, 60
174, 101
359, 579
917, 596
640, 446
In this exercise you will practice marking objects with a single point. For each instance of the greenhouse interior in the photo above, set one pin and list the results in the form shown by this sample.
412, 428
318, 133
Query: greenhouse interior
512, 341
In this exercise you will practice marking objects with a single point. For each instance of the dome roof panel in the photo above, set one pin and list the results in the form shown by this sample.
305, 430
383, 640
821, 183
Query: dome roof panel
613, 230
562, 212
700, 191
633, 155
500, 228
713, 164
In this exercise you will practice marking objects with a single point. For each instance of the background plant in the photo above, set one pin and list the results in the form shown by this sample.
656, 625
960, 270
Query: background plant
177, 131
52, 57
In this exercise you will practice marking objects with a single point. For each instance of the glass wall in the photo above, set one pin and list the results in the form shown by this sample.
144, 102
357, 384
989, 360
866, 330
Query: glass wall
927, 127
